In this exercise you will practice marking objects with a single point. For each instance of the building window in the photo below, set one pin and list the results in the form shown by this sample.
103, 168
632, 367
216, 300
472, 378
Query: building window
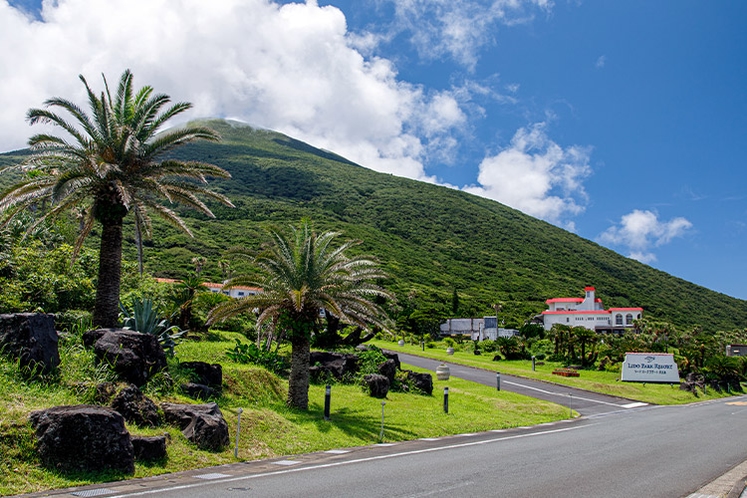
241, 293
618, 319
628, 319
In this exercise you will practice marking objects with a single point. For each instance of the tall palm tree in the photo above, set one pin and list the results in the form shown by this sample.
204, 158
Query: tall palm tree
301, 273
114, 164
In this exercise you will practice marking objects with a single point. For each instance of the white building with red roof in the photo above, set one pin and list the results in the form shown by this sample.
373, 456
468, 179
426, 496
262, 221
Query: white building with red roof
238, 291
588, 312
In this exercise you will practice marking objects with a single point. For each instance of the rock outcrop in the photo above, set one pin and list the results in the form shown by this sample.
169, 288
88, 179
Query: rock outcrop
338, 365
83, 438
378, 385
204, 425
136, 357
32, 339
136, 408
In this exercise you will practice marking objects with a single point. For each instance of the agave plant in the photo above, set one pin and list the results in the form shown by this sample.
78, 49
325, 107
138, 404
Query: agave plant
146, 319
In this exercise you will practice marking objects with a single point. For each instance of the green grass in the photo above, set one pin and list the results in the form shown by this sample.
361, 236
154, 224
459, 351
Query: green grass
591, 380
268, 428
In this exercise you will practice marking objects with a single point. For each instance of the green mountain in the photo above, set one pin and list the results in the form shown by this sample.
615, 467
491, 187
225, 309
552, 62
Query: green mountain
430, 239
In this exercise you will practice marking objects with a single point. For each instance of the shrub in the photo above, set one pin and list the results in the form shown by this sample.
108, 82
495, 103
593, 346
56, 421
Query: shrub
248, 352
369, 361
146, 319
73, 322
489, 346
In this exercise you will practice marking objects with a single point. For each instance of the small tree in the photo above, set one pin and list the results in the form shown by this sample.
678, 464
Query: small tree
114, 164
301, 273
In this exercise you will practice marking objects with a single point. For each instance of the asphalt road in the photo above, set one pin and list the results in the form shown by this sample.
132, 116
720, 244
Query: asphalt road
655, 451
584, 402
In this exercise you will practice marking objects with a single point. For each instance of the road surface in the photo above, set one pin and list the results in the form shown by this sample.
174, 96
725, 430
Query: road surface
584, 402
655, 451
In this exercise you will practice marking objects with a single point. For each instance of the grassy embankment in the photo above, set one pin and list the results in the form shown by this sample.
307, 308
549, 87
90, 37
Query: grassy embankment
591, 380
268, 428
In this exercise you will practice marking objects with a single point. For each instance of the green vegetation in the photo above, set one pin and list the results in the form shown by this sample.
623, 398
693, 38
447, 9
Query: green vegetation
113, 166
430, 240
444, 252
301, 273
268, 427
606, 382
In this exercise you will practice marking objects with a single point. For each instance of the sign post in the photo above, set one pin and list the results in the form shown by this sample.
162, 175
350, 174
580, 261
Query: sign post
650, 367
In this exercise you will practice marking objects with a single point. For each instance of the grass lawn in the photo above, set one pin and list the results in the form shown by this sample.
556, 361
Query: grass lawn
591, 380
268, 427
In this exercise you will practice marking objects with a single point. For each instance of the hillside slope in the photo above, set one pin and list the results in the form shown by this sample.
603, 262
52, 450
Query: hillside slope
430, 239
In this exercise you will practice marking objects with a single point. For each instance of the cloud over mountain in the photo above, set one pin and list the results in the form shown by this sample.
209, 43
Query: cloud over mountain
293, 68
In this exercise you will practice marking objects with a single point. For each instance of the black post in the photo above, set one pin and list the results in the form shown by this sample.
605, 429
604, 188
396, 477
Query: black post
533, 363
446, 400
498, 381
327, 396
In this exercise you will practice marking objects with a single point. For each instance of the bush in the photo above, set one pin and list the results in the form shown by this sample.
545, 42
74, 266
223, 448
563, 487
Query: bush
369, 361
489, 346
246, 353
146, 319
73, 322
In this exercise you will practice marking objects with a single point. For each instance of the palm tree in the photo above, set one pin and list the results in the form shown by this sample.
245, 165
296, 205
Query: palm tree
301, 273
114, 164
185, 295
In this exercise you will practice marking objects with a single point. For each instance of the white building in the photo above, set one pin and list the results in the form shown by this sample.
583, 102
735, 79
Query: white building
239, 291
588, 312
477, 328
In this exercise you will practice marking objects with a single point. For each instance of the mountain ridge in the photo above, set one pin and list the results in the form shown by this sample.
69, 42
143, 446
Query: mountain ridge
430, 239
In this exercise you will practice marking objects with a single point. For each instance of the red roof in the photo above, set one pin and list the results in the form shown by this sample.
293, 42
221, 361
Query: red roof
576, 312
626, 309
211, 285
569, 300
565, 300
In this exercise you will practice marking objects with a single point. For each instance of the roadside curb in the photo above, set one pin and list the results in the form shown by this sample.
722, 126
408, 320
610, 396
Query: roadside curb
730, 485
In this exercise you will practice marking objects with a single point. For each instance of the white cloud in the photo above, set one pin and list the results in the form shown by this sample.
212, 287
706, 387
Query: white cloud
640, 231
293, 68
459, 28
601, 61
537, 176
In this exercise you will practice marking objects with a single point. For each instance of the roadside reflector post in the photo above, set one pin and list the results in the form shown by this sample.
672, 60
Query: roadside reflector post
570, 415
238, 429
381, 436
446, 400
498, 381
534, 362
327, 398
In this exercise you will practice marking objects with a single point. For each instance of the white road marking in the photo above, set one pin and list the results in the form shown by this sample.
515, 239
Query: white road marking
212, 476
563, 394
359, 460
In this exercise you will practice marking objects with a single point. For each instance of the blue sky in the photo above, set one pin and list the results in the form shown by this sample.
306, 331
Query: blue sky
624, 122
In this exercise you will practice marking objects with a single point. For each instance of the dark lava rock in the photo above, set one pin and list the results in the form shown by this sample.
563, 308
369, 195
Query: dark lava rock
30, 338
83, 438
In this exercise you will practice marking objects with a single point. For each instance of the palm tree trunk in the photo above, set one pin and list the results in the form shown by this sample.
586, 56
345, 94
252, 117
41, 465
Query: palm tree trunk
298, 382
139, 243
106, 310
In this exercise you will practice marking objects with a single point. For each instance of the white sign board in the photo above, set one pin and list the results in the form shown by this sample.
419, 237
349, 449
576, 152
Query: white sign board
650, 367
